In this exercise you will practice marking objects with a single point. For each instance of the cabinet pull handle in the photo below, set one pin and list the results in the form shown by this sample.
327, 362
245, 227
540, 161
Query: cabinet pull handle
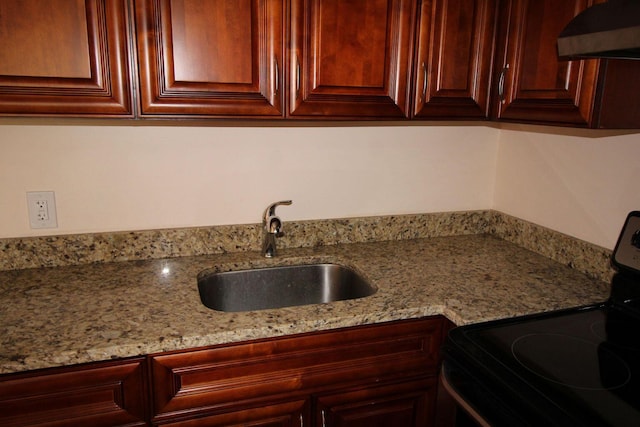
424, 83
501, 83
324, 418
301, 421
297, 75
277, 76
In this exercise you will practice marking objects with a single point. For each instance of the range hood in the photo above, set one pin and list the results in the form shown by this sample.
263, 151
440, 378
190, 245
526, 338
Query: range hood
605, 30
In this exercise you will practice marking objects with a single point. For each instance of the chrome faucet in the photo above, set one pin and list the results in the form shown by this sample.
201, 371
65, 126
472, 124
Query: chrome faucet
272, 228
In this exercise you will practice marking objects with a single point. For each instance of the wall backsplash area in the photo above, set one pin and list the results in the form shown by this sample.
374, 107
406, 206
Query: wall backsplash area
579, 182
110, 179
53, 251
122, 178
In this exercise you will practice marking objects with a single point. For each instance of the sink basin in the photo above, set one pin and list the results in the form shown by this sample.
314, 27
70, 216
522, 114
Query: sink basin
275, 287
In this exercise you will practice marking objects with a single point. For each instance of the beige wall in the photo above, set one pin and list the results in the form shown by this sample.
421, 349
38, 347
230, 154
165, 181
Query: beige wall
580, 182
109, 178
114, 177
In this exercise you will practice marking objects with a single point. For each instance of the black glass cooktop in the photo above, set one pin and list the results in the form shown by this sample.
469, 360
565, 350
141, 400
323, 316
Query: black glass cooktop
580, 367
577, 367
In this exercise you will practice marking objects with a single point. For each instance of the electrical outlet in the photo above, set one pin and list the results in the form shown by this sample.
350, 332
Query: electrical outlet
42, 209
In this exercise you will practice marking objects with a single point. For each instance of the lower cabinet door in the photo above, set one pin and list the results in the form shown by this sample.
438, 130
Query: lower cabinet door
104, 394
405, 404
286, 414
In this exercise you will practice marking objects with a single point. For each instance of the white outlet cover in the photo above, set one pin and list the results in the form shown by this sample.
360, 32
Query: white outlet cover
42, 209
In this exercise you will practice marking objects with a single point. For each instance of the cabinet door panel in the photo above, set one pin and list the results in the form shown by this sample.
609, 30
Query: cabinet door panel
31, 28
210, 58
534, 84
225, 57
408, 404
351, 59
453, 67
619, 106
64, 57
105, 394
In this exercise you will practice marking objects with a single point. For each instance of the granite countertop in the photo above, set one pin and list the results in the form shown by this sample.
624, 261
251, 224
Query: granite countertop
75, 314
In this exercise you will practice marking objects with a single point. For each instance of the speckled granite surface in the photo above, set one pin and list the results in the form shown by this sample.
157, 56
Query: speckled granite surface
577, 254
73, 314
54, 251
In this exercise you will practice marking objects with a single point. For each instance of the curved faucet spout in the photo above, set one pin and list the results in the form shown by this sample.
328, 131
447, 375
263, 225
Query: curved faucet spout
271, 210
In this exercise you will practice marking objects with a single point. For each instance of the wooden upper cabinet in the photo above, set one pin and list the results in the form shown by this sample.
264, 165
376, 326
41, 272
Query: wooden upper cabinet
210, 58
308, 59
454, 56
618, 104
532, 83
64, 57
351, 58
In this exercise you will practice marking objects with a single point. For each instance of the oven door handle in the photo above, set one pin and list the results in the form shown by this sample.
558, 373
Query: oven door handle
460, 400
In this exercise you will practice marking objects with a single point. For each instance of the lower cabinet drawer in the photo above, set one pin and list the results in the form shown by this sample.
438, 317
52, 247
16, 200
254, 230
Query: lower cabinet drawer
287, 414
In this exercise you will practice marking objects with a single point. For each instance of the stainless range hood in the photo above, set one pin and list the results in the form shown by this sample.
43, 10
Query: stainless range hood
605, 30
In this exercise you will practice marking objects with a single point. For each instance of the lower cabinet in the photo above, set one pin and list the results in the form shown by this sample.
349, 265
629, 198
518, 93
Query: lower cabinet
375, 375
408, 404
102, 394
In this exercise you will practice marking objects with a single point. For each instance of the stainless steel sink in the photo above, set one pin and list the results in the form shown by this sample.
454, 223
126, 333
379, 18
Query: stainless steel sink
275, 287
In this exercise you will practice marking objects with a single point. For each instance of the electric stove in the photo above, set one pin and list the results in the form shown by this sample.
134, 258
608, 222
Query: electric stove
575, 367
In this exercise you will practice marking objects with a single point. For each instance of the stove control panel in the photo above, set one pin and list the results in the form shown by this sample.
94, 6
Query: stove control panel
626, 255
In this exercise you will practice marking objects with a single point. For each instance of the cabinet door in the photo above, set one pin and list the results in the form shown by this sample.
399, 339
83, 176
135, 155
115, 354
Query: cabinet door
210, 58
408, 404
105, 394
351, 58
66, 57
619, 105
453, 67
533, 84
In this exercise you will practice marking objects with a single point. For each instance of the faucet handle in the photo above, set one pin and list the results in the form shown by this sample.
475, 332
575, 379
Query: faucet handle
271, 210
